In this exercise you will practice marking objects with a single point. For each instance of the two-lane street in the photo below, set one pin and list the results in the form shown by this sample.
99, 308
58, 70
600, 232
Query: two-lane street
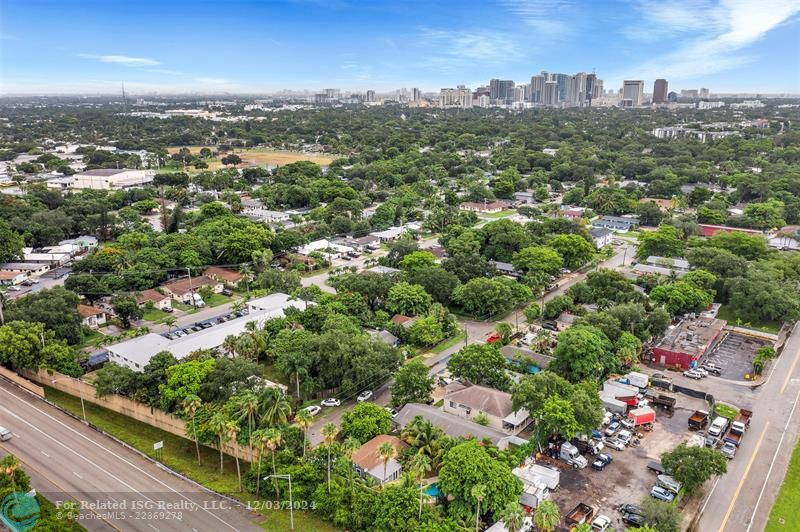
69, 461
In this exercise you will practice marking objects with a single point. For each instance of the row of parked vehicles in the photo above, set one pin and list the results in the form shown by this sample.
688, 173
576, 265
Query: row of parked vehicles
200, 325
703, 371
722, 433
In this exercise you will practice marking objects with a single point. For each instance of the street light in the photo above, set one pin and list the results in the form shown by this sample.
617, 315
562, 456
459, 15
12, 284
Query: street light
291, 504
80, 390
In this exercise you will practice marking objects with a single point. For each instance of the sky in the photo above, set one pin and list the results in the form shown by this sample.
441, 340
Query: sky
240, 46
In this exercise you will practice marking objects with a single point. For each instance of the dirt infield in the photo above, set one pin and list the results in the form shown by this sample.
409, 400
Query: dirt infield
258, 157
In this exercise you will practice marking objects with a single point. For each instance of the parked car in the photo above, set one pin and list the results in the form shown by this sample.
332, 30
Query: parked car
366, 395
179, 333
391, 411
632, 519
313, 410
629, 423
612, 428
625, 436
668, 482
353, 254
729, 450
656, 468
168, 310
614, 444
331, 401
5, 434
630, 509
345, 257
601, 523
227, 292
550, 326
703, 373
14, 288
662, 494
27, 282
601, 461
693, 374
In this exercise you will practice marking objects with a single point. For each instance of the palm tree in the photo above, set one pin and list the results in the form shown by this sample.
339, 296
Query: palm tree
9, 467
260, 437
329, 432
513, 516
274, 438
547, 516
233, 432
245, 346
229, 345
170, 322
218, 424
420, 464
294, 364
426, 438
273, 406
247, 408
247, 274
191, 404
303, 420
478, 493
350, 446
386, 452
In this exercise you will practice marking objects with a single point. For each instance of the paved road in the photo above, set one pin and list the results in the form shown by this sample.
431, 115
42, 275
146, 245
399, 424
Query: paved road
477, 331
741, 500
69, 461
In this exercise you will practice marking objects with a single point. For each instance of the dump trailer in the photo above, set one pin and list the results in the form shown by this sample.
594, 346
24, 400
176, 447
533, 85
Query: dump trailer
738, 427
665, 401
582, 513
698, 420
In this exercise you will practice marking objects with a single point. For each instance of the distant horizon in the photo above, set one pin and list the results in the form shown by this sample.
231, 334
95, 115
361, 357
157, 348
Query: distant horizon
258, 47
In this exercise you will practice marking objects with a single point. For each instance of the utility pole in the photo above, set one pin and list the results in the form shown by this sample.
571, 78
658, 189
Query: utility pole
191, 290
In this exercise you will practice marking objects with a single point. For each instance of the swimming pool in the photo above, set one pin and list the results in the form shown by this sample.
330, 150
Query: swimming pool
432, 490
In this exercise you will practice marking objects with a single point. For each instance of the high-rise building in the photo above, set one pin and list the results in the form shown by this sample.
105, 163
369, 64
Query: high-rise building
591, 83
551, 98
705, 93
370, 96
633, 90
416, 94
537, 87
501, 90
458, 97
672, 96
660, 91
520, 92
563, 81
689, 93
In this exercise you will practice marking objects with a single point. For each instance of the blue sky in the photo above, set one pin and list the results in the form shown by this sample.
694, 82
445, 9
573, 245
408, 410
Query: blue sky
168, 46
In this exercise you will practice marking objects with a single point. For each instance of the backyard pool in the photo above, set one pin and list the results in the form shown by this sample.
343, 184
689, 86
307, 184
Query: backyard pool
432, 490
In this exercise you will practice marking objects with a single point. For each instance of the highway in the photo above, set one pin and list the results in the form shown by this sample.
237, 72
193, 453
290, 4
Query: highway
741, 500
69, 461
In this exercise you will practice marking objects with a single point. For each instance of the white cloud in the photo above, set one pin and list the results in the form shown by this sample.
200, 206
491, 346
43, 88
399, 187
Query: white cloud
124, 60
211, 81
470, 45
541, 15
717, 36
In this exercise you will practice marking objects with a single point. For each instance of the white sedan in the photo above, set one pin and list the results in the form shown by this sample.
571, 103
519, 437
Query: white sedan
313, 410
366, 395
331, 401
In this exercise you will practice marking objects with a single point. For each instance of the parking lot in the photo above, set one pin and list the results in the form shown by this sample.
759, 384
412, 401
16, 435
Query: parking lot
204, 324
734, 355
627, 479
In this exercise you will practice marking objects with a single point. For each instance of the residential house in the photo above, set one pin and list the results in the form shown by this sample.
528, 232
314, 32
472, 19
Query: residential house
573, 212
54, 257
403, 321
83, 243
160, 301
393, 233
12, 278
112, 179
92, 317
455, 426
493, 405
368, 462
524, 197
484, 208
385, 336
365, 242
290, 259
505, 268
618, 224
184, 288
28, 268
601, 237
326, 247
383, 270
224, 275
520, 356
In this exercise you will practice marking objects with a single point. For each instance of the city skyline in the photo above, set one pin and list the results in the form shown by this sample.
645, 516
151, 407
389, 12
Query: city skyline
258, 47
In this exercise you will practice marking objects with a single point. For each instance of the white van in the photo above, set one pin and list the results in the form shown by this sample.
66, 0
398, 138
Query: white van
718, 427
5, 434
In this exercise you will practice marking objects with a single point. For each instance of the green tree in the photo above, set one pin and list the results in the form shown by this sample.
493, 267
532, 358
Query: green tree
56, 308
574, 249
190, 405
426, 331
126, 309
218, 425
662, 516
232, 431
329, 433
547, 516
184, 380
386, 452
412, 384
115, 379
538, 259
11, 243
481, 364
436, 281
365, 421
86, 285
681, 298
484, 297
628, 349
513, 516
558, 417
767, 215
583, 353
304, 420
418, 260
408, 299
467, 465
692, 466
664, 242
420, 465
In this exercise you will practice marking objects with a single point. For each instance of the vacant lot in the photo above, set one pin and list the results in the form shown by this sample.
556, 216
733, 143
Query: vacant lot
734, 355
262, 157
626, 479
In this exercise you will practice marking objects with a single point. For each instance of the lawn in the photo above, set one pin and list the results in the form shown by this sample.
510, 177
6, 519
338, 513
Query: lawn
216, 300
91, 337
783, 516
727, 314
154, 315
450, 342
495, 215
264, 156
179, 454
183, 306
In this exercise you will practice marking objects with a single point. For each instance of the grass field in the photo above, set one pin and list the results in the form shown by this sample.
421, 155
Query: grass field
260, 157
496, 215
216, 300
154, 315
725, 313
450, 342
179, 454
783, 517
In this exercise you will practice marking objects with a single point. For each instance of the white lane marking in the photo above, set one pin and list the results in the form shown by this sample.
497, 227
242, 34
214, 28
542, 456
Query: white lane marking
113, 499
15, 434
77, 475
44, 453
151, 526
215, 516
